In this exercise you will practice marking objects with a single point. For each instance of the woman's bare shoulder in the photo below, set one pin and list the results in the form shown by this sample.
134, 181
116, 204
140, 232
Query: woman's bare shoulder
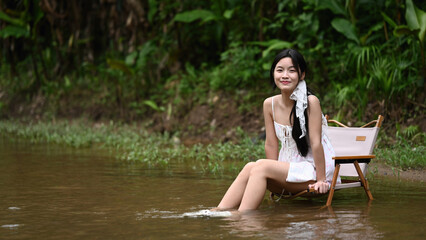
313, 100
314, 104
268, 101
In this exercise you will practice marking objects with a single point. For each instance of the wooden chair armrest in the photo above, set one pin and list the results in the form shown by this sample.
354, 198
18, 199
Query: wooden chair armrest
337, 122
352, 159
378, 122
368, 124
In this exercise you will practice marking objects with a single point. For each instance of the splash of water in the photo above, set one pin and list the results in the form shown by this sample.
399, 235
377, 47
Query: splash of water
154, 213
208, 213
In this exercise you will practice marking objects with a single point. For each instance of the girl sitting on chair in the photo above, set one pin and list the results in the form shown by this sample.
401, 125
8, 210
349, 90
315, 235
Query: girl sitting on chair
295, 119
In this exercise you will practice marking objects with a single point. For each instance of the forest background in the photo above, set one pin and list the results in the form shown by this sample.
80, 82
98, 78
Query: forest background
199, 70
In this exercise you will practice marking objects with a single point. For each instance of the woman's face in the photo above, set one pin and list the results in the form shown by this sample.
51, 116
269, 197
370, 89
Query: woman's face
286, 76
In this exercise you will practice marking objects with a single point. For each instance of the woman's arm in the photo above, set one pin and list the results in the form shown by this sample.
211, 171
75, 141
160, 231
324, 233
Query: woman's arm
271, 142
315, 134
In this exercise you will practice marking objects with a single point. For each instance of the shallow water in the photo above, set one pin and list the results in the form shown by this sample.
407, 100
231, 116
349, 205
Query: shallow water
55, 192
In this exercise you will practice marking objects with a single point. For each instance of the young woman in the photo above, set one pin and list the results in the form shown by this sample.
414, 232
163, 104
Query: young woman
293, 118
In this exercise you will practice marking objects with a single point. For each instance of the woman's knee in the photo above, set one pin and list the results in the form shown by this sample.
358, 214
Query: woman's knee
249, 166
260, 168
262, 161
247, 169
269, 168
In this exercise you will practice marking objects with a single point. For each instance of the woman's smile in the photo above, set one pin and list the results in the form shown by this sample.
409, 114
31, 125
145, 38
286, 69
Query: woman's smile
286, 75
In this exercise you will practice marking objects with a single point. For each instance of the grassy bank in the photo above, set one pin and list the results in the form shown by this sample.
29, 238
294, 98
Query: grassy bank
133, 143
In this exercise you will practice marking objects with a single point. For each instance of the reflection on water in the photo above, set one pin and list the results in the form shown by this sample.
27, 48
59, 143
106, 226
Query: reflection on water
54, 192
306, 223
303, 222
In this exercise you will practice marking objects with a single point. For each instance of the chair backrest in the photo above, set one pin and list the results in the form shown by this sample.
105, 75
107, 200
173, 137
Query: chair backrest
353, 141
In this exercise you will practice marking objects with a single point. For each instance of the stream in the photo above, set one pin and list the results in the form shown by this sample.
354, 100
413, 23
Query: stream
49, 191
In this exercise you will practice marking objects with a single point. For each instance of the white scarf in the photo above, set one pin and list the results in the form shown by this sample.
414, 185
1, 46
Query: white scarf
301, 97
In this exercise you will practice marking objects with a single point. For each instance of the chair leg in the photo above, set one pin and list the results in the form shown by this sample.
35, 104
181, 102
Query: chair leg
333, 185
363, 181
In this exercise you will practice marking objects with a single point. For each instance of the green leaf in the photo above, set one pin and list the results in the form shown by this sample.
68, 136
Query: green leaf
410, 16
264, 43
404, 30
131, 58
119, 65
332, 5
153, 105
276, 44
191, 16
152, 9
67, 82
416, 19
14, 31
388, 19
11, 20
374, 28
145, 53
228, 14
346, 28
37, 13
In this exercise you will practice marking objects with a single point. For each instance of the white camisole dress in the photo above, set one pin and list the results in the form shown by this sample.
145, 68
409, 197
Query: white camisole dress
302, 169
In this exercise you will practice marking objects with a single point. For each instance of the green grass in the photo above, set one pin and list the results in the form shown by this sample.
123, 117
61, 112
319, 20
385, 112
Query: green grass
134, 144
403, 155
405, 151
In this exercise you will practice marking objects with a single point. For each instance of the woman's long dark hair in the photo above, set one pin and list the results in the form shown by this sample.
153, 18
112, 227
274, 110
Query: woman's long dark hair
300, 64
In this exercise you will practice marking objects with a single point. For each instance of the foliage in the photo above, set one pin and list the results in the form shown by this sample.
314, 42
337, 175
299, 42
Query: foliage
132, 59
403, 154
406, 150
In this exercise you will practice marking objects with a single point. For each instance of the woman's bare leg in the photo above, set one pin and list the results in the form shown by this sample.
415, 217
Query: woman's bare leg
267, 174
257, 183
234, 195
248, 189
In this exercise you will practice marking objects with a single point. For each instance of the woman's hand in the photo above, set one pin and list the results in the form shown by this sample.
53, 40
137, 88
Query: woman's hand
320, 186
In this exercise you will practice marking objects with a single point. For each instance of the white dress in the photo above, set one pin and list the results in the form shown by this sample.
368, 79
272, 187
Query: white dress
302, 169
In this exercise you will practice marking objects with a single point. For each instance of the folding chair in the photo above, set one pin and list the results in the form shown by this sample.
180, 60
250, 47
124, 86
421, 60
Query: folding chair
354, 148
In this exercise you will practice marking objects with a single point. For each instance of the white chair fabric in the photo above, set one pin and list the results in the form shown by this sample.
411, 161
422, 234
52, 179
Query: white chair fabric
352, 142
